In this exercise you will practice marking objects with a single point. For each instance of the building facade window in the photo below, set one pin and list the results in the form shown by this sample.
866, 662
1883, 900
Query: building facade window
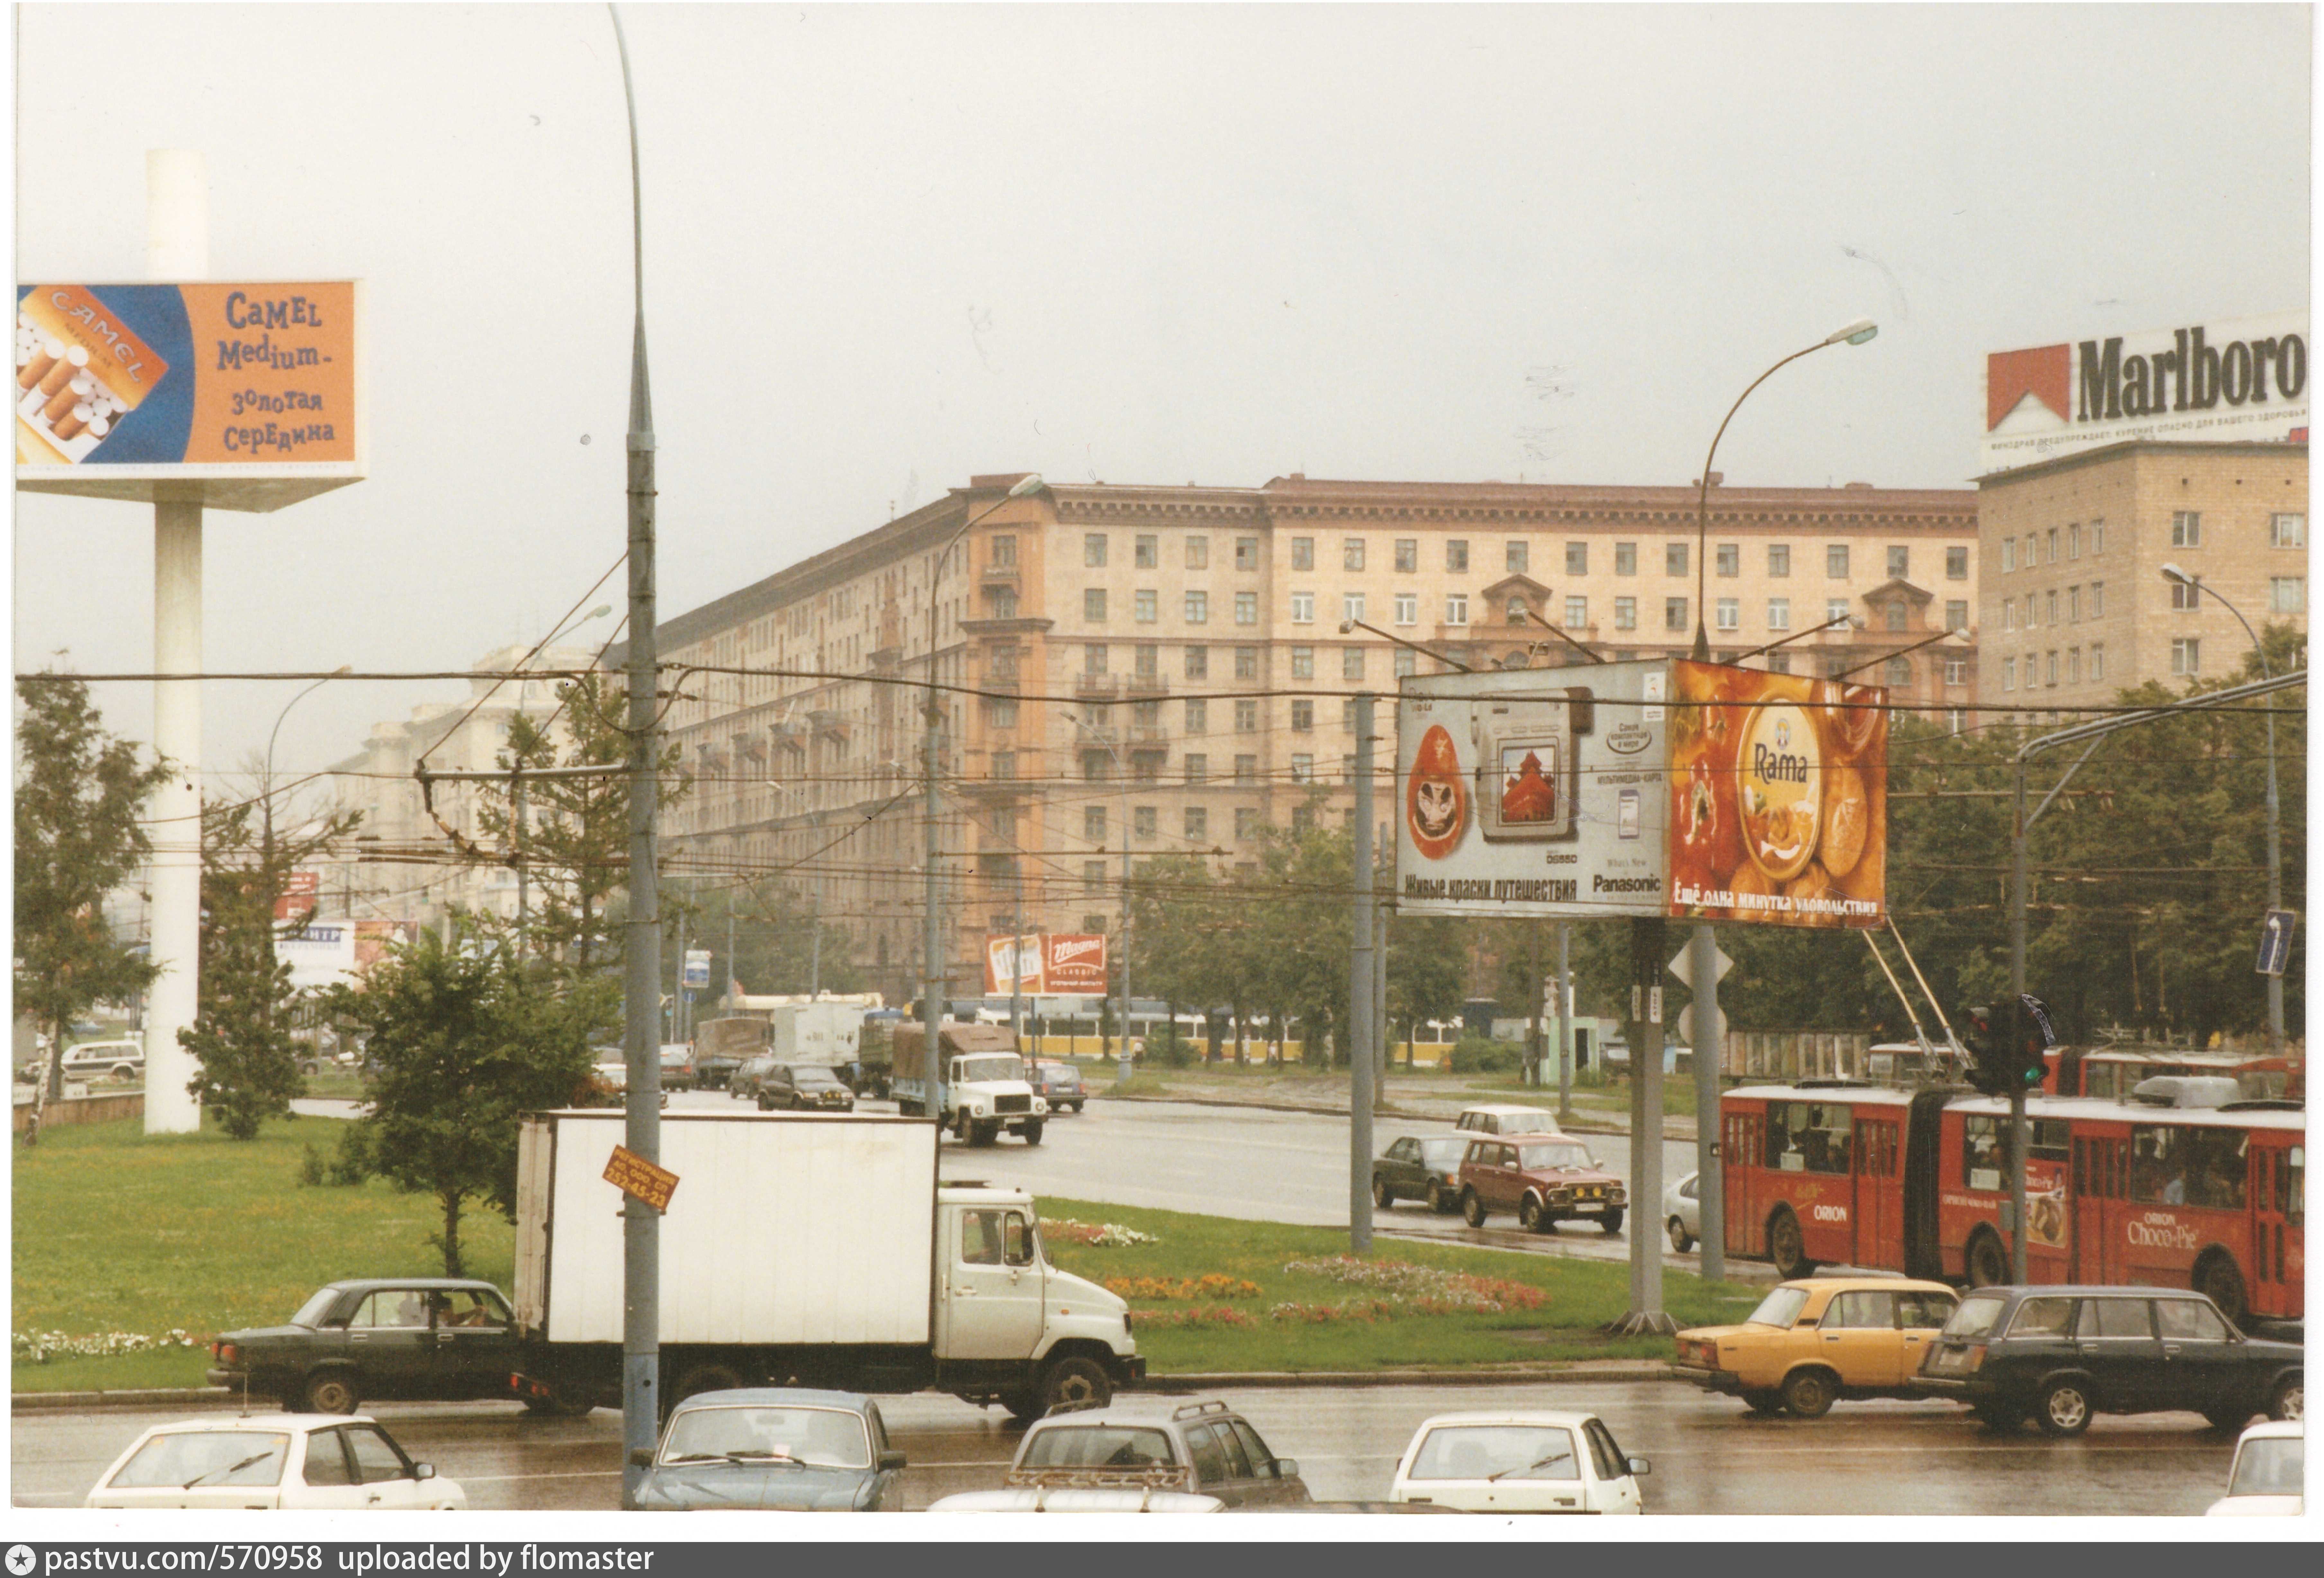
1730, 613
2187, 529
1303, 767
1779, 614
1351, 605
2050, 606
1957, 613
1626, 614
1351, 662
2073, 605
2287, 593
1519, 558
1198, 662
1142, 819
1456, 555
1004, 550
1246, 716
2287, 530
1408, 553
1198, 608
2185, 598
1834, 610
1517, 612
1303, 716
1404, 664
1094, 659
1779, 559
1456, 608
2098, 661
1351, 553
1779, 662
2008, 673
2052, 536
1675, 559
1673, 614
1626, 559
1145, 606
1094, 876
1893, 615
1001, 714
1957, 564
1899, 673
2008, 554
1093, 605
1407, 608
1303, 553
2098, 538
1303, 662
2050, 667
1198, 716
1004, 602
1348, 725
2073, 665
1835, 561
2008, 614
1004, 765
1198, 552
1302, 607
1246, 820
1246, 662
1245, 608
1246, 771
1093, 550
2097, 599
1198, 766
1146, 662
1246, 553
1955, 670
1093, 824
1146, 550
1577, 612
1577, 558
1730, 559
1196, 822
1900, 563
2074, 542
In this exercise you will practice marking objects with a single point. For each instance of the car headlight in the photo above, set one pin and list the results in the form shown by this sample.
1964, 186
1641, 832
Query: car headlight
1040, 1106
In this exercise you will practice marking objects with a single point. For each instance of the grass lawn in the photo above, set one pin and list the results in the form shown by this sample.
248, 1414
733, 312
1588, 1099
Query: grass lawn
118, 1232
1582, 1295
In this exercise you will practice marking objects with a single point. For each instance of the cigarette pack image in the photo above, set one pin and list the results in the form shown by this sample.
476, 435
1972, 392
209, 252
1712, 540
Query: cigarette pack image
79, 372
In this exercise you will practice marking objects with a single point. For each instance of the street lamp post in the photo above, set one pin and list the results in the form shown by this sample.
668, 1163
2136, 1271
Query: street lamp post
1124, 1065
2173, 573
266, 790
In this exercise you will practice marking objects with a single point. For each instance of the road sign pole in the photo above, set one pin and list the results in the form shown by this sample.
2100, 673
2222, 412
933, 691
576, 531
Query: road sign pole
1360, 1001
1647, 960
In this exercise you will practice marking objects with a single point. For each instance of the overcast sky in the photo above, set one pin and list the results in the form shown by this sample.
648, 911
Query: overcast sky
887, 248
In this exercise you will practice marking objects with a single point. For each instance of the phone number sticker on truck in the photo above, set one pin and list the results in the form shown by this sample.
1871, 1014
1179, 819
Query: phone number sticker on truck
636, 1176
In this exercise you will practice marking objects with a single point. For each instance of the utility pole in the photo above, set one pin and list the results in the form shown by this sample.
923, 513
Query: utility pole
641, 967
815, 942
1564, 1020
1017, 952
1709, 1042
1359, 999
729, 994
1647, 956
1382, 862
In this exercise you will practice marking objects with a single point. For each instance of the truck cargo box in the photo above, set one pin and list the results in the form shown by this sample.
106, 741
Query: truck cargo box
784, 1229
906, 1040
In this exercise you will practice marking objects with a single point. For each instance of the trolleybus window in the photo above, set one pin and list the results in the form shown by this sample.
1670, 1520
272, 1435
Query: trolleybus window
1984, 1149
1811, 1136
2293, 1212
2173, 1165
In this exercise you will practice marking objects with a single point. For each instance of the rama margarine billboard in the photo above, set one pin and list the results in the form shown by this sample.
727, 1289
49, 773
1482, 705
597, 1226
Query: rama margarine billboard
1654, 788
2227, 379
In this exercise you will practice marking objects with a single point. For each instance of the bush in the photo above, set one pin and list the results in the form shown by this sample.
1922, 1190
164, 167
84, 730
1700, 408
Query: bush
1170, 1049
1481, 1055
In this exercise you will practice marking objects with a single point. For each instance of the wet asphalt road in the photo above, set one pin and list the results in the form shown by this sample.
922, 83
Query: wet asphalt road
1250, 1162
1709, 1455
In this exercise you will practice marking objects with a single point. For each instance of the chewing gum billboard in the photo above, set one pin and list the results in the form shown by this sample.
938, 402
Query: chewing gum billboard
1650, 789
186, 380
1053, 963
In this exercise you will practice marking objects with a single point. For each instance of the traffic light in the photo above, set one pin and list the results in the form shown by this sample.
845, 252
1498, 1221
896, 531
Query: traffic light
2032, 1035
1991, 1071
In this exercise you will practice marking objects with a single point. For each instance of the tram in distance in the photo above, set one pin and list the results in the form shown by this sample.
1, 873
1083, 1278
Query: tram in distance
1841, 1172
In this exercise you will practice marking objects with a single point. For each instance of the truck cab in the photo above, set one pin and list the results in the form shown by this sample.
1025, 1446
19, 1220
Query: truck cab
999, 1303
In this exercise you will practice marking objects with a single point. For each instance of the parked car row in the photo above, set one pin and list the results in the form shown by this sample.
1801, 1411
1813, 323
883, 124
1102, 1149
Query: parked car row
274, 1462
1502, 1159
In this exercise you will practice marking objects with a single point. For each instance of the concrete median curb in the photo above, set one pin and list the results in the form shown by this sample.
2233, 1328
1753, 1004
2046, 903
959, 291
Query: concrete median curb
185, 1396
1608, 1370
1572, 1126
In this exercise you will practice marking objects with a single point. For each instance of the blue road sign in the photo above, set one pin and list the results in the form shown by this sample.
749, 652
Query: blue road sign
2275, 940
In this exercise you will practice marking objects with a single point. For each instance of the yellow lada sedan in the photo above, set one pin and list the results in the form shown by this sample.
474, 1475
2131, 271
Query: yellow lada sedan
1813, 1341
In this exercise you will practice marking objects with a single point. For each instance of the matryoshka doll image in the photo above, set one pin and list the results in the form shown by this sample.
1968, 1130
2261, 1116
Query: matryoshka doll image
1436, 800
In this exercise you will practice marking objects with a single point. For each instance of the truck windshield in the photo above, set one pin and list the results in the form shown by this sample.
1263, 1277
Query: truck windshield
1001, 1067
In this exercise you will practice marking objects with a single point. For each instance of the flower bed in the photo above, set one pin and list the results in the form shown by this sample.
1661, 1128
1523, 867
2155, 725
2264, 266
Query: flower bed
39, 1347
1104, 1235
1402, 1287
1215, 1315
1185, 1289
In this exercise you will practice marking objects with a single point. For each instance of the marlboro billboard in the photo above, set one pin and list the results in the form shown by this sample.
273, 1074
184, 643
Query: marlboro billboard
1652, 788
119, 387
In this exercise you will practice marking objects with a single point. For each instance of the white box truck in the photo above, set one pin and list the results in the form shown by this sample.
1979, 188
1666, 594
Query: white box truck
802, 1249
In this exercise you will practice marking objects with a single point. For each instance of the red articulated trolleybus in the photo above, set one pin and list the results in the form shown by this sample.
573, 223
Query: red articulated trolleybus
1842, 1172
2111, 1073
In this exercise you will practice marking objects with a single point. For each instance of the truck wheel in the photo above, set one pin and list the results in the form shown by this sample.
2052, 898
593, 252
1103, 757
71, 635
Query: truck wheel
1075, 1379
982, 1134
1032, 1134
332, 1391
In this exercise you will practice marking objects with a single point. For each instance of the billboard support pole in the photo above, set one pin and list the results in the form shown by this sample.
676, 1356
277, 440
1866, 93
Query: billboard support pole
1709, 1039
1565, 1021
1359, 999
1647, 954
177, 247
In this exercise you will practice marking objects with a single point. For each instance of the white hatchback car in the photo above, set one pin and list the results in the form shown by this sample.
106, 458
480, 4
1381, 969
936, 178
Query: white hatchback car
1507, 1462
1683, 1212
266, 1461
2265, 1481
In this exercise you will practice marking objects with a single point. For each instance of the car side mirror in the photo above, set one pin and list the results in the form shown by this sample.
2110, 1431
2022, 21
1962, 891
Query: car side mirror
1639, 1466
890, 1459
1286, 1468
641, 1457
423, 1470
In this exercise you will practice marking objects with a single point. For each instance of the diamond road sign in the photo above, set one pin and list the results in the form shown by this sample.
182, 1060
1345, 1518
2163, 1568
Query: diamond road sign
2275, 940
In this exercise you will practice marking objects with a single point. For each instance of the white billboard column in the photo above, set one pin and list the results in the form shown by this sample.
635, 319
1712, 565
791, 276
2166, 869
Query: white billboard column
177, 247
176, 811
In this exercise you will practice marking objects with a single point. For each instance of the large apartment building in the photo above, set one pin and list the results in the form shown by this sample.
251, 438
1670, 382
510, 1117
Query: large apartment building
2074, 603
1169, 665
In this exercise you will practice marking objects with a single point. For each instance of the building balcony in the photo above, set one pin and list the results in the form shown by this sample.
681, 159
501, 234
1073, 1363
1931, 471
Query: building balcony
1149, 685
1000, 574
1096, 687
1149, 734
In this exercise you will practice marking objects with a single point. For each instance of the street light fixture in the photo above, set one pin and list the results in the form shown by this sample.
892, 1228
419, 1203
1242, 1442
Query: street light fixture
2174, 574
1854, 333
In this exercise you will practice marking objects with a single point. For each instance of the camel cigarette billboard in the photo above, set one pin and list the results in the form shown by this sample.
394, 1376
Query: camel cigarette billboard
1646, 788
